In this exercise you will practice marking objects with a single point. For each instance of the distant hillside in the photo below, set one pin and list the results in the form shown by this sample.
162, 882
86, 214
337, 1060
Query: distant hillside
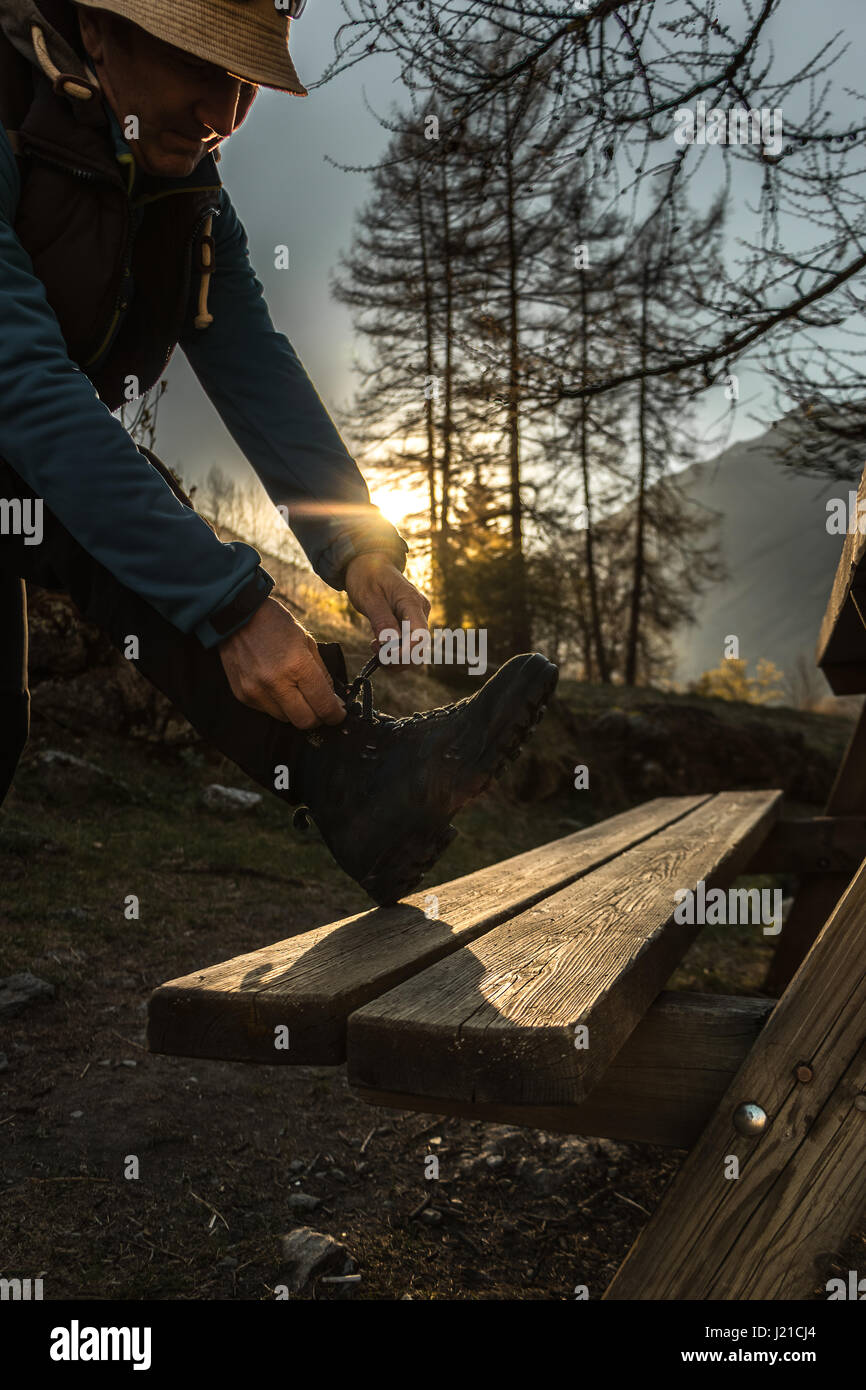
779, 557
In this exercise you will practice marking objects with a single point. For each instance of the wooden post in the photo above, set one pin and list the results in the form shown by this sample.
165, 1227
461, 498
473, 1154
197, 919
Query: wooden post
819, 893
766, 1233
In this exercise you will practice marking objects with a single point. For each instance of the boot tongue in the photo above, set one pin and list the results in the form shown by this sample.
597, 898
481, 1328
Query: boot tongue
334, 662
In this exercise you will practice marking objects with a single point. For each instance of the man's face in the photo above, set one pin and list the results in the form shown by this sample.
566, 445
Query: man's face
184, 106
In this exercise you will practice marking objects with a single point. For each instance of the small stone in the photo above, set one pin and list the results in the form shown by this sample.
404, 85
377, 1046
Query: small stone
494, 1160
24, 843
302, 1201
128, 1062
296, 1165
77, 1114
307, 1253
18, 992
218, 798
543, 1180
338, 1174
538, 1177
106, 1062
69, 777
501, 1138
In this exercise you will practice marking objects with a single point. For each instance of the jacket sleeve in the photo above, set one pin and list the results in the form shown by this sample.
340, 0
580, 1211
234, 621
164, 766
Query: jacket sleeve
255, 380
76, 456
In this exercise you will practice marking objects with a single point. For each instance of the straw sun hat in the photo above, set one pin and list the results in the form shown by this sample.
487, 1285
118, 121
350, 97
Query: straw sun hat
248, 38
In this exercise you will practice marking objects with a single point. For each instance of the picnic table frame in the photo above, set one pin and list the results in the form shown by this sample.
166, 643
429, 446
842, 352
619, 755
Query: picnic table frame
476, 1011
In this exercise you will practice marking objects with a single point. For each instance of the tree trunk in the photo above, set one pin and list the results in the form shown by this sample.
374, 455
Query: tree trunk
595, 614
521, 631
640, 531
436, 580
449, 598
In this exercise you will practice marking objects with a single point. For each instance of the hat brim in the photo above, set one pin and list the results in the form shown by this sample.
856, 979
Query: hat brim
232, 36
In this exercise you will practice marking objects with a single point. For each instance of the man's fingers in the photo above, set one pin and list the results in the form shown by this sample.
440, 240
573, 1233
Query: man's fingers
257, 697
317, 689
411, 610
297, 710
380, 615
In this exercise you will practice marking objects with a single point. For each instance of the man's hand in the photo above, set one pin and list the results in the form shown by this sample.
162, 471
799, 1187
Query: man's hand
273, 665
386, 598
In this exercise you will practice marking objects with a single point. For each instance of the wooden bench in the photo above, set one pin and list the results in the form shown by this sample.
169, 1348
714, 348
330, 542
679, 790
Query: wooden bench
535, 996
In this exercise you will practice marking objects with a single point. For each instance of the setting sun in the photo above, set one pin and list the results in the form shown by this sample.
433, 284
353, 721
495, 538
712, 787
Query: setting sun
397, 502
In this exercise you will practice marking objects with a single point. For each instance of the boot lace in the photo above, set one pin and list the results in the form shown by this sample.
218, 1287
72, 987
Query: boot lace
362, 685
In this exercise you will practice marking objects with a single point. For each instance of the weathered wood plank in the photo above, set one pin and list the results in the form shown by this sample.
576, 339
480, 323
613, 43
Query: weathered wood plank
820, 891
821, 844
848, 793
802, 1184
496, 1021
842, 639
816, 898
661, 1088
849, 677
312, 982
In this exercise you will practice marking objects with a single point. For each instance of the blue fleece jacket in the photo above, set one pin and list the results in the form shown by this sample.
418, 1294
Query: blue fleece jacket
67, 446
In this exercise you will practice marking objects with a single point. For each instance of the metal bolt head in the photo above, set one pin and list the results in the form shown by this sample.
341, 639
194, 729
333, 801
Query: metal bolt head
750, 1119
804, 1073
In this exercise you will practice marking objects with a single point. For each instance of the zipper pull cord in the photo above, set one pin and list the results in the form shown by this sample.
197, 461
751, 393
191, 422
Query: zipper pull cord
64, 83
207, 257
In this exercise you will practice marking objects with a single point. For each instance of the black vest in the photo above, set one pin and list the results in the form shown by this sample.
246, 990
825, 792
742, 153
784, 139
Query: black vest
116, 273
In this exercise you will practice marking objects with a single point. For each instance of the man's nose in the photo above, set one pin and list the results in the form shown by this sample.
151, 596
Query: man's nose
217, 106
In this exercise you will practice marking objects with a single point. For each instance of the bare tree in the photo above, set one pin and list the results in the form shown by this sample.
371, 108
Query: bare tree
624, 70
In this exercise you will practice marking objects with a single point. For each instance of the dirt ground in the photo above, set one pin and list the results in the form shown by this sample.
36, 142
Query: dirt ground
223, 1149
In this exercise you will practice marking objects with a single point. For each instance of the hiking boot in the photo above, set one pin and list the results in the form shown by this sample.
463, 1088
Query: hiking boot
382, 790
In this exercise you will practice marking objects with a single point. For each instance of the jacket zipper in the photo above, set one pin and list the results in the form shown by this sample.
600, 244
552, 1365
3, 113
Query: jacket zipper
92, 175
119, 303
36, 153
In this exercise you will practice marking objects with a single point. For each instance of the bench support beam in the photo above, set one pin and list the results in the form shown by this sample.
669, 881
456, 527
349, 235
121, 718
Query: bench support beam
662, 1088
822, 887
802, 1183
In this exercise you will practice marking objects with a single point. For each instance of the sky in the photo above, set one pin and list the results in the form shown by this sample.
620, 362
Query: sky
285, 191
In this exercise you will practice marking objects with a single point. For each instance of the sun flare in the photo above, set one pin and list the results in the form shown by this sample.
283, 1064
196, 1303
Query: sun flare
396, 502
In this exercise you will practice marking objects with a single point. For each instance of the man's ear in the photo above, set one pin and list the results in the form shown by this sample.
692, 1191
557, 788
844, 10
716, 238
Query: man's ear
246, 97
90, 24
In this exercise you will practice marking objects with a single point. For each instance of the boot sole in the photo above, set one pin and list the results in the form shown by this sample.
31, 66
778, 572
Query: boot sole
419, 851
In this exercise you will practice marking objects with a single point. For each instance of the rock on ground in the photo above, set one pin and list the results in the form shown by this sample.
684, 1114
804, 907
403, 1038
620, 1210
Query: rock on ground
307, 1254
301, 1201
18, 991
67, 779
219, 798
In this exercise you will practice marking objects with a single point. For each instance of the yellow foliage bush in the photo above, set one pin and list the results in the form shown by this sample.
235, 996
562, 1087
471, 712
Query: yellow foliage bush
729, 681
